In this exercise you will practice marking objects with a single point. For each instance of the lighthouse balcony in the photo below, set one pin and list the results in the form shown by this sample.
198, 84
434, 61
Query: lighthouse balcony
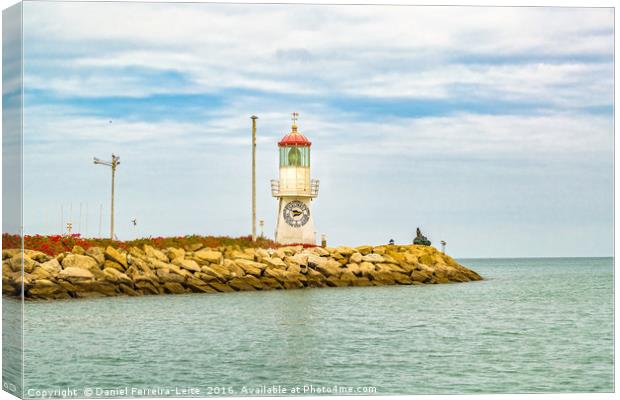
300, 189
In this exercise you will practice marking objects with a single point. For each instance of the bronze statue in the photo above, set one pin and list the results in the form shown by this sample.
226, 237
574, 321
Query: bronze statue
420, 238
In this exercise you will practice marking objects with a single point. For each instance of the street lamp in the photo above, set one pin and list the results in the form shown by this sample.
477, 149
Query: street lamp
115, 161
254, 118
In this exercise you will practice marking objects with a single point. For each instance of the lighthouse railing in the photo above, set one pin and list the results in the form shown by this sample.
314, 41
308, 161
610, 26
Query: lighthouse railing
301, 189
275, 187
314, 187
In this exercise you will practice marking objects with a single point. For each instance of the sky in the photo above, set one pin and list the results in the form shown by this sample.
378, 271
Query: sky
489, 128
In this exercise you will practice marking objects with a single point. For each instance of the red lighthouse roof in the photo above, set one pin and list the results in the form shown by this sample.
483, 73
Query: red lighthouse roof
294, 138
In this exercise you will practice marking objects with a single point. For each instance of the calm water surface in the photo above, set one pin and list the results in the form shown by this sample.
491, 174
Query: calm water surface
533, 325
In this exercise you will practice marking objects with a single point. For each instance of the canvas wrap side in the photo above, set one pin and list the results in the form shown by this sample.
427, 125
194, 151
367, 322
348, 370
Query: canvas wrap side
12, 174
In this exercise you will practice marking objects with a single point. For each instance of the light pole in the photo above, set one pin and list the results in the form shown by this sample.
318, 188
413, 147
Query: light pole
254, 118
115, 161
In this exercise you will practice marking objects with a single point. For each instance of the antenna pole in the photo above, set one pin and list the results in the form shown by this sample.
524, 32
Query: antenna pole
113, 164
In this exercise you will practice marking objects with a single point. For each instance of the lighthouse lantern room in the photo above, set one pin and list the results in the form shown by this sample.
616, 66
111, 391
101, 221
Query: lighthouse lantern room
295, 189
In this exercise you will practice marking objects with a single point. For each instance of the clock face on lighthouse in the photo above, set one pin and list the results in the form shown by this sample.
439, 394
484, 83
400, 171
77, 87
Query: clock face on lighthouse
296, 214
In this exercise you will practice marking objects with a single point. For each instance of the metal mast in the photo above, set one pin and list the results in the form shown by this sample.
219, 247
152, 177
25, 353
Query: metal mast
113, 164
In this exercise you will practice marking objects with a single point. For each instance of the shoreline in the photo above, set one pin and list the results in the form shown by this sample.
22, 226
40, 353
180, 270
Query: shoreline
105, 272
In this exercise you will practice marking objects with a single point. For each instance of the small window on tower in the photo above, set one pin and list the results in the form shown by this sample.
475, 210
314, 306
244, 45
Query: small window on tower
294, 157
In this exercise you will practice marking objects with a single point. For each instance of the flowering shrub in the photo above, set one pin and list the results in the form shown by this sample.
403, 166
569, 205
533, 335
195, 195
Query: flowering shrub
304, 245
56, 244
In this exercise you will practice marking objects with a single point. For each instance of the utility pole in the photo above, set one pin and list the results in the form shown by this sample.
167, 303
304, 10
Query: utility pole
113, 164
254, 118
100, 218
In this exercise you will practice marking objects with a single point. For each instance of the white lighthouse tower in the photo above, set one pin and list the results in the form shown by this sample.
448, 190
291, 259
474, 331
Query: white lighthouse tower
295, 190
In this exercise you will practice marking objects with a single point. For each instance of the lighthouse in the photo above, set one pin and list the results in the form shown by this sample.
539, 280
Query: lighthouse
294, 189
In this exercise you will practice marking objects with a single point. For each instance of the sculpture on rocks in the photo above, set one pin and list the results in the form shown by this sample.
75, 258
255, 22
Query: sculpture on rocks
421, 239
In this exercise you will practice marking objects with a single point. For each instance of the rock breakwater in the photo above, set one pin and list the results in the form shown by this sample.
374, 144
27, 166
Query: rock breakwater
100, 272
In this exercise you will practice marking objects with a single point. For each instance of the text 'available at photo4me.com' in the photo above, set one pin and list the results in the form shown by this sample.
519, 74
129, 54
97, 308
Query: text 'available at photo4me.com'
203, 391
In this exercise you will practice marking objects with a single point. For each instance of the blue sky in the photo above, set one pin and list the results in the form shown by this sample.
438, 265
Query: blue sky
490, 128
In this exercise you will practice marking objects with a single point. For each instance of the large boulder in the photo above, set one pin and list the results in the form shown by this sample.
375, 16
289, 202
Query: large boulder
128, 290
148, 287
38, 256
354, 269
253, 281
46, 289
217, 271
76, 274
137, 252
315, 261
270, 283
366, 268
165, 277
355, 258
197, 286
319, 251
194, 246
114, 255
364, 249
275, 262
262, 253
179, 271
22, 259
373, 258
114, 275
250, 267
174, 253
220, 287
242, 255
314, 278
329, 268
78, 261
174, 288
10, 253
235, 270
210, 256
52, 266
189, 265
240, 284
39, 273
275, 273
97, 253
204, 277
114, 265
293, 280
299, 258
154, 253
345, 251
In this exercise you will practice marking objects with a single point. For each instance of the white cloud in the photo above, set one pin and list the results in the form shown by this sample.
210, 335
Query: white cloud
323, 50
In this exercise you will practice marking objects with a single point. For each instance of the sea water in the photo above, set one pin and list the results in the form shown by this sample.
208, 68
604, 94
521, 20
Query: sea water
532, 325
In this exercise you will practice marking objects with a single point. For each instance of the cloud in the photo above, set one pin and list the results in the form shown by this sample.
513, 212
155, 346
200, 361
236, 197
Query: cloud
385, 52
